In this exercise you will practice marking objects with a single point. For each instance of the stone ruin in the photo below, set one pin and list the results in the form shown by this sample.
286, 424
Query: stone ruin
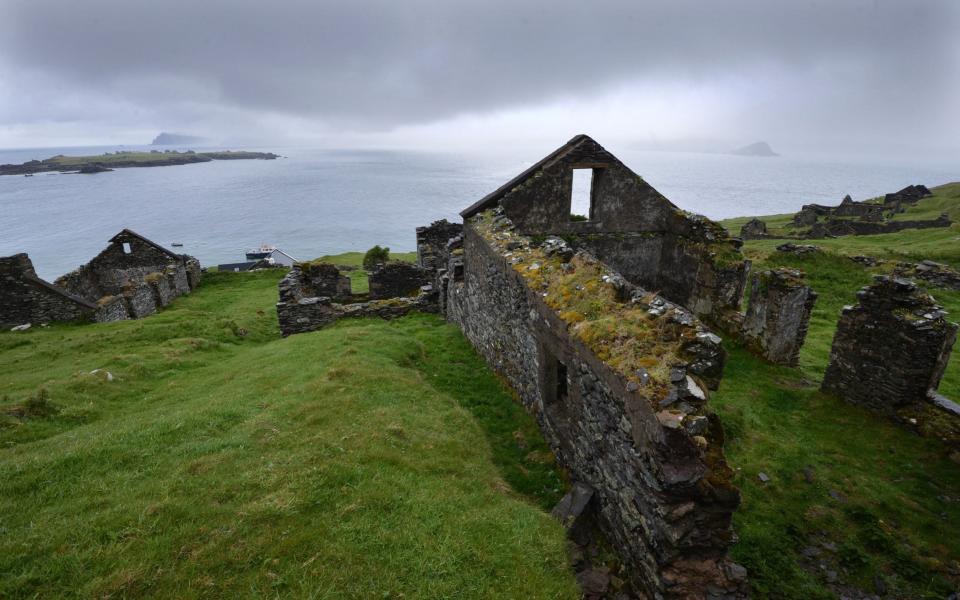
27, 299
132, 278
316, 294
891, 349
754, 229
596, 324
618, 376
865, 218
777, 316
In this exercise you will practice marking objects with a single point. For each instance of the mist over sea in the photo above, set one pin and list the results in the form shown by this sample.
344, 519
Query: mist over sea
315, 202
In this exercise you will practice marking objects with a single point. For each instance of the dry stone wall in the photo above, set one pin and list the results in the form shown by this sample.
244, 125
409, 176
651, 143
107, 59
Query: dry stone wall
25, 298
777, 317
397, 279
890, 349
650, 450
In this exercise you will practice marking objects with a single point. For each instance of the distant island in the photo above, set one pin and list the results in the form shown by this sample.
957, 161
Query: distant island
119, 160
755, 149
175, 139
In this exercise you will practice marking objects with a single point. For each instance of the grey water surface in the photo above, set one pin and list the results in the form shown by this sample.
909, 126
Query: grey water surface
316, 202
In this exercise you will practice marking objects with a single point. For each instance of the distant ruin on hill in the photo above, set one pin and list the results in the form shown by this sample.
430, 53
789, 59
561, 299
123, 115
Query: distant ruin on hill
131, 278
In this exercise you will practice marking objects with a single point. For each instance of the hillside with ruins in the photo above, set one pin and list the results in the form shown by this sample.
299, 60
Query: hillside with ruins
633, 403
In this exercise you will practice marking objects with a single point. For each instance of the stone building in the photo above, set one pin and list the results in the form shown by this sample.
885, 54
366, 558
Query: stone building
890, 350
630, 226
131, 278
316, 294
617, 376
133, 275
25, 298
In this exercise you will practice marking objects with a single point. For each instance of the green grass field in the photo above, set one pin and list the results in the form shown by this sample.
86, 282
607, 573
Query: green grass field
382, 459
875, 500
373, 459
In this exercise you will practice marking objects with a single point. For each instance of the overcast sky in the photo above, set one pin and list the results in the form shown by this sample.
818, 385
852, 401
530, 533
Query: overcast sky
877, 76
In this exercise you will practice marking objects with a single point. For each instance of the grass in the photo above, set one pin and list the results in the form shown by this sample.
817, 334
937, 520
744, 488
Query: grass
371, 459
875, 500
358, 276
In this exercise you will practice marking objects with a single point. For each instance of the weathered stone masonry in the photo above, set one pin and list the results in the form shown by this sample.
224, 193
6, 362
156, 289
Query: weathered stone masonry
649, 449
134, 272
891, 349
131, 278
25, 298
315, 294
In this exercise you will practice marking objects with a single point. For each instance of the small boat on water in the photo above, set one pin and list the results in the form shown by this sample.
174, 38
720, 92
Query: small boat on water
28, 174
177, 244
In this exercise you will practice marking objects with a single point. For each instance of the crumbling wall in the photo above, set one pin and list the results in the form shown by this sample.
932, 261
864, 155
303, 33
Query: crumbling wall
312, 280
397, 279
836, 227
890, 349
432, 243
643, 442
130, 267
112, 308
25, 298
314, 295
778, 315
312, 314
754, 229
140, 299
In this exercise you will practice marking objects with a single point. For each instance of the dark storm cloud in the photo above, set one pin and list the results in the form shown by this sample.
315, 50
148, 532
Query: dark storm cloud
381, 64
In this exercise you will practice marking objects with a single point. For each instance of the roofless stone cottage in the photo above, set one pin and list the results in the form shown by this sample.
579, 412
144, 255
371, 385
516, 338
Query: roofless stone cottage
131, 278
598, 322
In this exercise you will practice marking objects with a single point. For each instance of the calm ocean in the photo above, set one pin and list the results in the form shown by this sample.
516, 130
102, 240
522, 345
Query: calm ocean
315, 202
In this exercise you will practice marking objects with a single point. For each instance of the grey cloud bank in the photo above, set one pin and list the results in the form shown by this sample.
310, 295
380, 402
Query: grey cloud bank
857, 73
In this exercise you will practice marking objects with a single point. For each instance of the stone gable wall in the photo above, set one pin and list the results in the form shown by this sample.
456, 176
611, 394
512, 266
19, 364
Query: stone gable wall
890, 349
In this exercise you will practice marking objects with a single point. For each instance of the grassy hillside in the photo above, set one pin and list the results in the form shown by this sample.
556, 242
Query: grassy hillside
853, 498
371, 459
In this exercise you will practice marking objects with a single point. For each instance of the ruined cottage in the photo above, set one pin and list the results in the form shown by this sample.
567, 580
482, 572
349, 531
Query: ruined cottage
618, 376
132, 278
599, 322
27, 299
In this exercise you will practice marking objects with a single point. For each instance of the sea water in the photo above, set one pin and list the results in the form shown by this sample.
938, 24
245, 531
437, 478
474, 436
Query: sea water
315, 202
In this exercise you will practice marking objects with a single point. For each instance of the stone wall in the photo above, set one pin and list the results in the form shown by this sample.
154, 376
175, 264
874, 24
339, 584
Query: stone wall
112, 308
25, 298
312, 314
631, 226
648, 448
891, 348
778, 314
432, 243
837, 227
397, 279
313, 280
134, 268
754, 229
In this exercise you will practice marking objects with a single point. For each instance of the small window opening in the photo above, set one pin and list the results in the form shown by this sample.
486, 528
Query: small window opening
126, 248
561, 393
581, 197
556, 384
